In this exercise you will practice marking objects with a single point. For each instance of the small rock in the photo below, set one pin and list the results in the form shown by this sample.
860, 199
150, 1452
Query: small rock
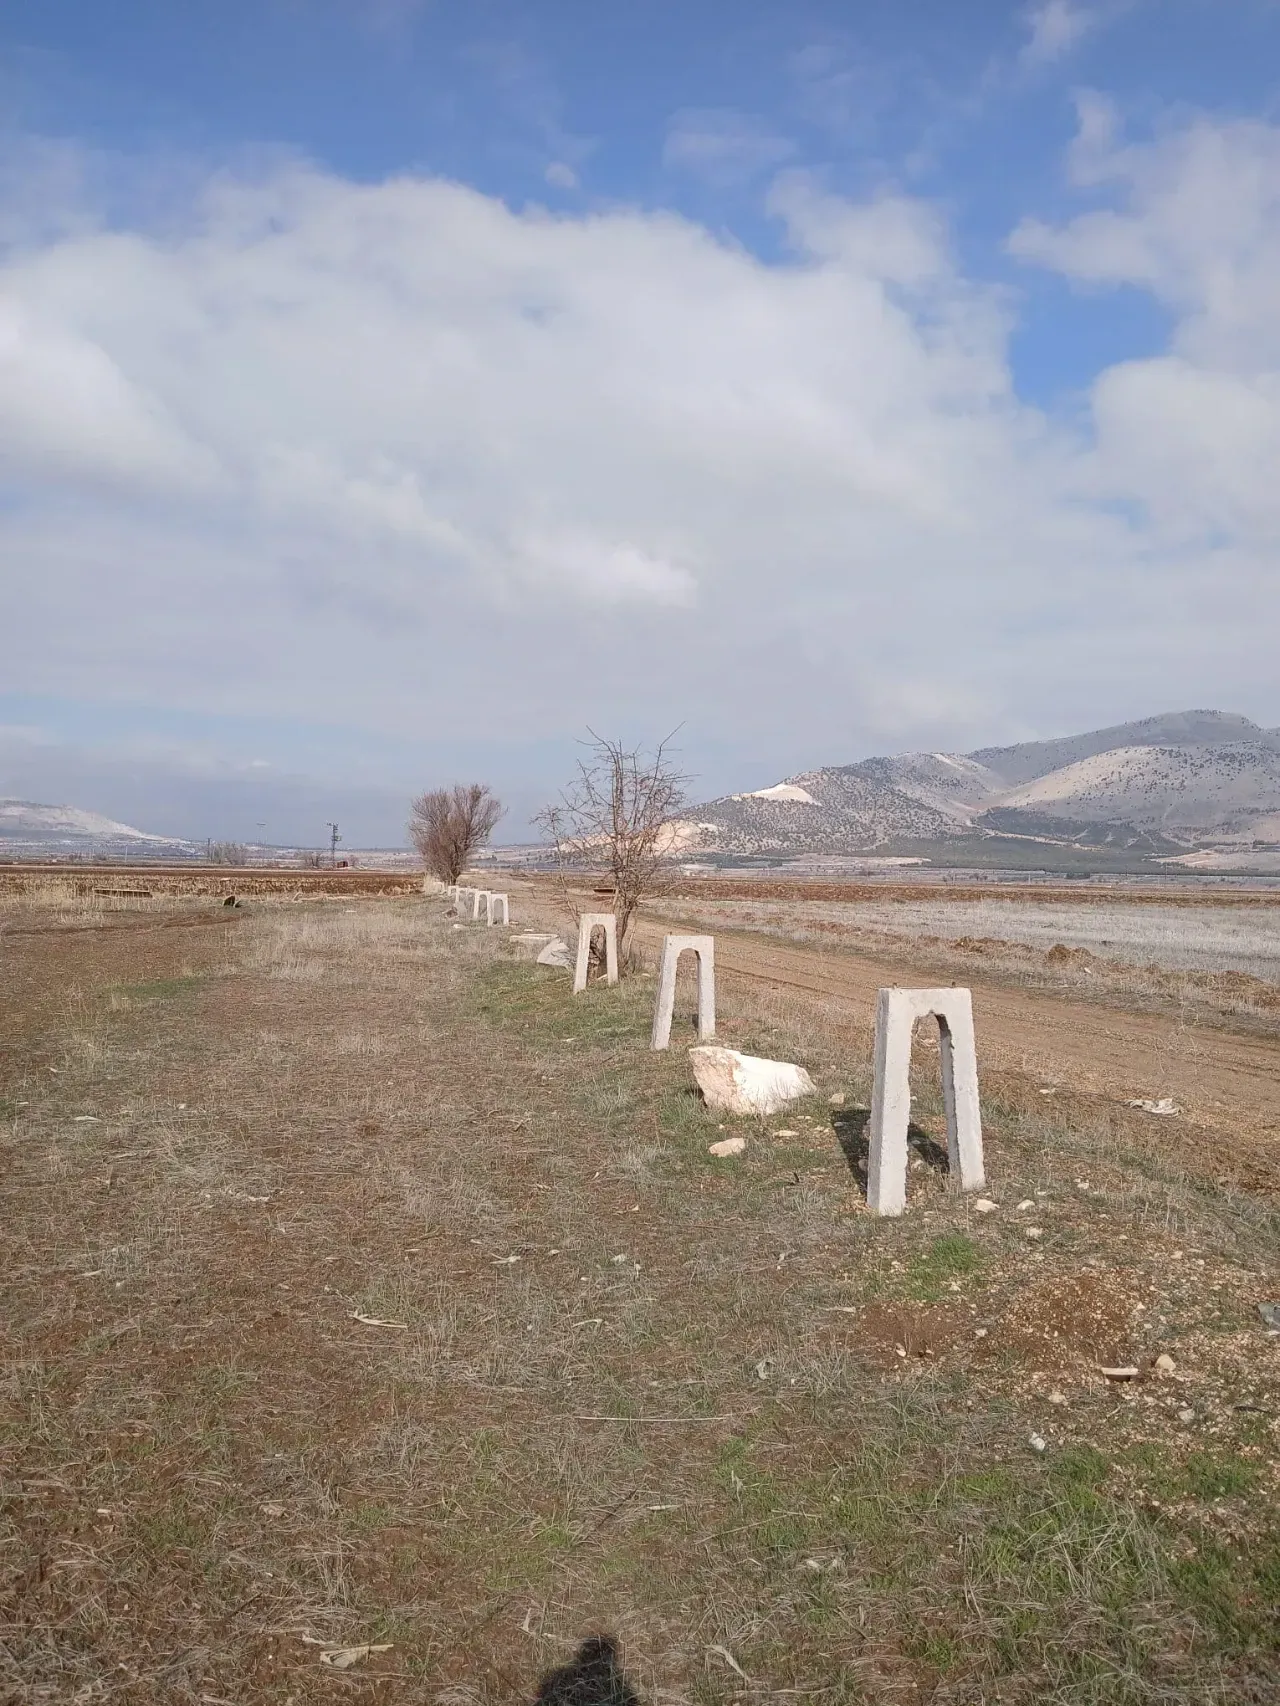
1186, 1415
1165, 1363
980, 1332
764, 1368
1124, 1371
1058, 1398
1270, 1313
1025, 1204
786, 1133
1036, 1443
271, 1510
727, 1146
984, 1205
1165, 1106
1035, 1232
557, 954
836, 1101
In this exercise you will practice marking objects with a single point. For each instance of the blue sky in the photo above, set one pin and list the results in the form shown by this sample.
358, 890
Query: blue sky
389, 389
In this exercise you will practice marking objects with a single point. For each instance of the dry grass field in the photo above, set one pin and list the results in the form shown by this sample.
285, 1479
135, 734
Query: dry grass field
365, 1290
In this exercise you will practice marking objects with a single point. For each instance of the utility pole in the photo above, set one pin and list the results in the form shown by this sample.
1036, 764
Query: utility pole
334, 839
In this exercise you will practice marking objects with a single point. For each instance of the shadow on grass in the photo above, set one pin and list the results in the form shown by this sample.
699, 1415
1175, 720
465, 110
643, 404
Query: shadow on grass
853, 1133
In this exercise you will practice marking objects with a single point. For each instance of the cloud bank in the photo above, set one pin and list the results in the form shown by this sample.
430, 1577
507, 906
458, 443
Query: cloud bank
431, 463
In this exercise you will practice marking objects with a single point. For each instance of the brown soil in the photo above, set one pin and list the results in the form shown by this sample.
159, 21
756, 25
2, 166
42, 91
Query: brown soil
115, 882
600, 1380
1082, 894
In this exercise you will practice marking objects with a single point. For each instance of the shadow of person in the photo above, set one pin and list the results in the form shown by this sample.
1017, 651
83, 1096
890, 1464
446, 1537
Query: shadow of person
593, 1677
853, 1133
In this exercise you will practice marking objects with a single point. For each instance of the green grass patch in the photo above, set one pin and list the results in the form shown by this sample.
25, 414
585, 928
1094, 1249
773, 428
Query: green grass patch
949, 1257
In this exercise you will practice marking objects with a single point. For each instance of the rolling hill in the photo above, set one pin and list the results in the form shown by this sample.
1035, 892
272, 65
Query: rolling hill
1163, 785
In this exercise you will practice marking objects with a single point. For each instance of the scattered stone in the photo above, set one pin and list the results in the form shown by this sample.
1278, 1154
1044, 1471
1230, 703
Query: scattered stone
836, 1101
342, 1658
727, 1146
528, 944
1186, 1415
556, 953
1165, 1106
764, 1368
1036, 1442
1126, 1371
1034, 1232
984, 1205
785, 1133
1270, 1313
980, 1332
1165, 1363
1058, 1398
1025, 1204
736, 1083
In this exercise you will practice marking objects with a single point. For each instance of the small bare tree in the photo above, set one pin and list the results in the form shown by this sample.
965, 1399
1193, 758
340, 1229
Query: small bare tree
619, 812
226, 853
449, 824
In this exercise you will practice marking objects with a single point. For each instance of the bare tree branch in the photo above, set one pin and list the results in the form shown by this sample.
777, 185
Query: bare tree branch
619, 814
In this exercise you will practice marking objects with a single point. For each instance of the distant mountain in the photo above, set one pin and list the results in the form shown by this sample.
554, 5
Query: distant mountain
1161, 785
27, 827
1036, 758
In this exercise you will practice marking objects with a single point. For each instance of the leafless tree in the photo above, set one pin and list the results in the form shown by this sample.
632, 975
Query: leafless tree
226, 853
619, 813
449, 824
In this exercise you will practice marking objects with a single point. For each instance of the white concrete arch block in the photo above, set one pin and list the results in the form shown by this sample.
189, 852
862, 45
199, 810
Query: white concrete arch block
493, 901
478, 897
672, 948
897, 1011
588, 922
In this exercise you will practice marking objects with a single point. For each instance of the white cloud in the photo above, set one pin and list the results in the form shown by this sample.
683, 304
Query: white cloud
1054, 28
431, 462
1191, 434
561, 176
722, 146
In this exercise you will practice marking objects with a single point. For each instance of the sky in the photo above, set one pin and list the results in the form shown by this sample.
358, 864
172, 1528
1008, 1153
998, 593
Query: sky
393, 390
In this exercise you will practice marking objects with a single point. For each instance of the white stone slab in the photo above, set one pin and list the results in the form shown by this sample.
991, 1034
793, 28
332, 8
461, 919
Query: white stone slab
734, 1083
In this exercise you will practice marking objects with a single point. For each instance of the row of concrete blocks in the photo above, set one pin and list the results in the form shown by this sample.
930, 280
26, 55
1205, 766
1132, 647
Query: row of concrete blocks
491, 902
897, 1013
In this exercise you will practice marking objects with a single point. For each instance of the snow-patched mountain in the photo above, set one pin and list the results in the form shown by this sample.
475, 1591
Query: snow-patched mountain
1174, 780
847, 808
26, 826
